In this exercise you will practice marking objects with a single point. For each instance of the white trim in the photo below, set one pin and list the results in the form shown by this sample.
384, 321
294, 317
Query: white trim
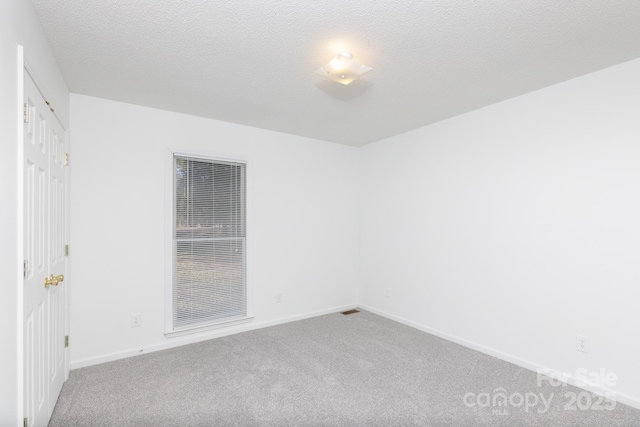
170, 153
67, 241
168, 237
207, 327
249, 233
527, 364
194, 338
20, 227
210, 155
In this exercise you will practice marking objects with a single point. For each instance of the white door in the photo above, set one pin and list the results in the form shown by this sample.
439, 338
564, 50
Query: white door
57, 261
44, 188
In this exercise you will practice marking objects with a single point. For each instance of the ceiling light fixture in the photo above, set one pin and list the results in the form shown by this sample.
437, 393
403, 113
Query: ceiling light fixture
343, 69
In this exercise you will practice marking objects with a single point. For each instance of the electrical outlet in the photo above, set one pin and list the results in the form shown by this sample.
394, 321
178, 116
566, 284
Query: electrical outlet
387, 293
136, 320
582, 343
279, 297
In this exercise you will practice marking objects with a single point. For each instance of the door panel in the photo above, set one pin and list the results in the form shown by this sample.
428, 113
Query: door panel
57, 262
36, 256
44, 188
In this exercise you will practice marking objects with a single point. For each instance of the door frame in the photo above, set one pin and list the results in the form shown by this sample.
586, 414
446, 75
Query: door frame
20, 227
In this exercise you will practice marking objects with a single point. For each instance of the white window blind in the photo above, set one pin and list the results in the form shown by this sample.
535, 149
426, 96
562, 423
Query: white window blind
209, 241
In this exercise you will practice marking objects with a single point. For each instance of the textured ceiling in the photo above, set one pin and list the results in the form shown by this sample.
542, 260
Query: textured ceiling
253, 62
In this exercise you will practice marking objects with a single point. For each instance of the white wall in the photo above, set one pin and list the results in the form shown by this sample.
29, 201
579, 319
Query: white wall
18, 26
304, 196
516, 227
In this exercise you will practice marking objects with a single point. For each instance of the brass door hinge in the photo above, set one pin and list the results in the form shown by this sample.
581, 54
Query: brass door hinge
66, 159
26, 113
66, 250
25, 422
25, 268
66, 341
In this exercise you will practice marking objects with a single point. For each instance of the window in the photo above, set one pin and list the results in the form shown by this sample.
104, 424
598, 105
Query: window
209, 242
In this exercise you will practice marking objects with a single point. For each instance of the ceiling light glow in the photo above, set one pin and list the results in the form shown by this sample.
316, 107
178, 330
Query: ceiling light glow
343, 69
341, 61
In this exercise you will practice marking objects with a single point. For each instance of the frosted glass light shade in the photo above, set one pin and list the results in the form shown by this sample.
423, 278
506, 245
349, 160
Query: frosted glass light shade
343, 69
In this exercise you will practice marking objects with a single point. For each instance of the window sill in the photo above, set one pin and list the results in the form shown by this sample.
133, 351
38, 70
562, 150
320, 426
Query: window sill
189, 330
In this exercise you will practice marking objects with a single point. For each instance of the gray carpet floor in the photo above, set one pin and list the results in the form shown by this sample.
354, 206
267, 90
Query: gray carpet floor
333, 370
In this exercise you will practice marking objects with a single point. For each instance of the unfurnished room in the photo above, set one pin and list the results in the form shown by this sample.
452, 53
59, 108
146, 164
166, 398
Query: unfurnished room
320, 213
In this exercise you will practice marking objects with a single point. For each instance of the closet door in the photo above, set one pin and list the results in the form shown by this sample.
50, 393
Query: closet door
44, 187
56, 294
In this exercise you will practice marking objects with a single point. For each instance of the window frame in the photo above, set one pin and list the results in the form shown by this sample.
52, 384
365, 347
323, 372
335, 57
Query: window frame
170, 329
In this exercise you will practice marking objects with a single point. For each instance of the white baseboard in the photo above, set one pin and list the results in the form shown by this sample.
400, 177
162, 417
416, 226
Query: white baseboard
527, 364
190, 339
